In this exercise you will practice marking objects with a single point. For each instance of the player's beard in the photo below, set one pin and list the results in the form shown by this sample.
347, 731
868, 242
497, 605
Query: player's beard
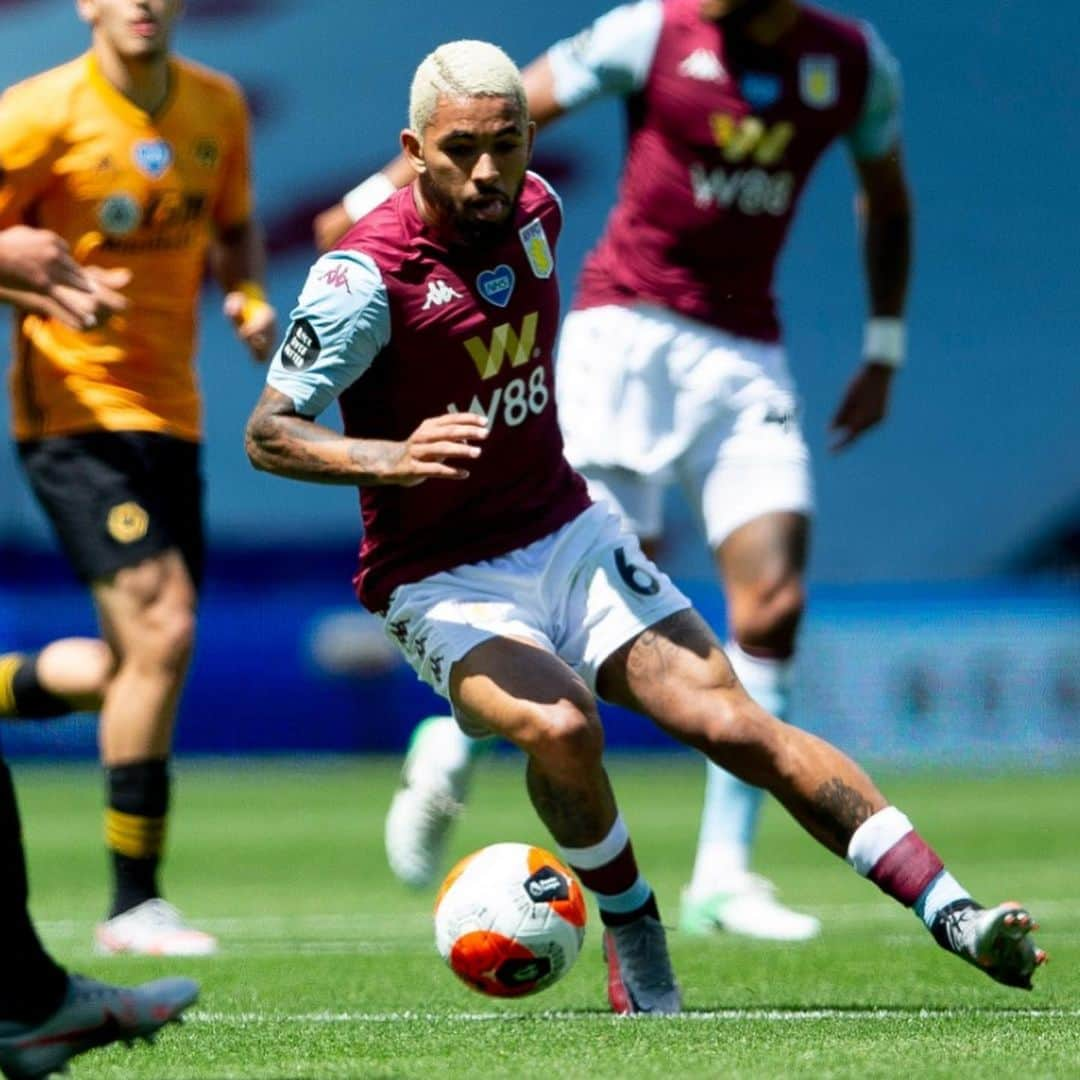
469, 232
745, 13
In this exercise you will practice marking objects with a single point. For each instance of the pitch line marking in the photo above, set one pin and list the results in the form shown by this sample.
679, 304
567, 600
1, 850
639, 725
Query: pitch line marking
731, 1015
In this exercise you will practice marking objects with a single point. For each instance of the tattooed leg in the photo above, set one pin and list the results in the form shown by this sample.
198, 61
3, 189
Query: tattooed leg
676, 673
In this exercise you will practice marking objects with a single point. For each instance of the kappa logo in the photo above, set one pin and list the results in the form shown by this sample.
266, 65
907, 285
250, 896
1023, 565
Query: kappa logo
438, 294
703, 65
153, 157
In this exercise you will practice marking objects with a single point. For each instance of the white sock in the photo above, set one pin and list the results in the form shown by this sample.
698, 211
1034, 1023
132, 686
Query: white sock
449, 754
732, 808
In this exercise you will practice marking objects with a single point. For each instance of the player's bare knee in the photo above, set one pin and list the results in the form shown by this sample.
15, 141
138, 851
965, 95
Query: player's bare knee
567, 735
767, 617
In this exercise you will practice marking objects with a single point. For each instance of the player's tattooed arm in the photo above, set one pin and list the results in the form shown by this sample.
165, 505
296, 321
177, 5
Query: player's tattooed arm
281, 441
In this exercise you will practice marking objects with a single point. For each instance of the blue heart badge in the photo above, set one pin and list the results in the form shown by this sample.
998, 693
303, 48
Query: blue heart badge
153, 157
496, 286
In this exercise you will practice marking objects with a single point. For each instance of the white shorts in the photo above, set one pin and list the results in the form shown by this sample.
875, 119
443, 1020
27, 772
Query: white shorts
579, 593
648, 397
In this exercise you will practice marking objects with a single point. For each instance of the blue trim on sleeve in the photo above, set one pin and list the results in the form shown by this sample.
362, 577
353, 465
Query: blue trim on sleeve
341, 322
612, 56
877, 131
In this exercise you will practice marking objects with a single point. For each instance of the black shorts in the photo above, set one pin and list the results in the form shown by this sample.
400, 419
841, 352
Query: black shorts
116, 498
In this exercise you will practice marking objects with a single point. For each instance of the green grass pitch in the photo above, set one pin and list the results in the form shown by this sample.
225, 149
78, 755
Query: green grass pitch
328, 967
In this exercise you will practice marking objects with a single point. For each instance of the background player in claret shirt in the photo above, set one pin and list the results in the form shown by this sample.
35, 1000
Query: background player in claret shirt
139, 162
507, 591
46, 1015
670, 365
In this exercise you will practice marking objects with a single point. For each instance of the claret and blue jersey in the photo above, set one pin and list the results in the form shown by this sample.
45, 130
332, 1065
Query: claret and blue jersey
723, 135
399, 327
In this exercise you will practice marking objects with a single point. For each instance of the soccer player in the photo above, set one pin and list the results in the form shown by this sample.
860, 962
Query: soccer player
138, 160
670, 365
508, 591
46, 1015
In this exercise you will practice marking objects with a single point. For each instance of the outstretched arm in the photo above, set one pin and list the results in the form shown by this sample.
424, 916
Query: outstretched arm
885, 212
613, 56
280, 441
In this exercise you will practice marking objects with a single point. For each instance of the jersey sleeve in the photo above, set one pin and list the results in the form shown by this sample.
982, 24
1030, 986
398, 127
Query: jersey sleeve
877, 129
341, 322
613, 56
234, 201
28, 150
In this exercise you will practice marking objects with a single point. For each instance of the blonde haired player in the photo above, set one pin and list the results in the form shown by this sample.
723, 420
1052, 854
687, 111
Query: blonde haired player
672, 369
507, 589
138, 161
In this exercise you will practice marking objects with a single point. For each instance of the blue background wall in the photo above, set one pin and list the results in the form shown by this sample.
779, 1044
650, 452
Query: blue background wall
981, 451
982, 447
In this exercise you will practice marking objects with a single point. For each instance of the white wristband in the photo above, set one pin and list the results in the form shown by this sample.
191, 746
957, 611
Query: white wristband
885, 341
363, 198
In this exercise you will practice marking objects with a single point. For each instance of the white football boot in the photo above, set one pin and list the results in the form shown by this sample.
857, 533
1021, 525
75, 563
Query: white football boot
434, 783
993, 939
747, 906
93, 1014
153, 928
640, 980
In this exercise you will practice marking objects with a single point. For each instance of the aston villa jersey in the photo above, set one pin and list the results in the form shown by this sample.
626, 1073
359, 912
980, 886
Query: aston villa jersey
723, 136
400, 327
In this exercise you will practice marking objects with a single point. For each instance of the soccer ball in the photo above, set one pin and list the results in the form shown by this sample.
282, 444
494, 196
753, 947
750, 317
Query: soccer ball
510, 919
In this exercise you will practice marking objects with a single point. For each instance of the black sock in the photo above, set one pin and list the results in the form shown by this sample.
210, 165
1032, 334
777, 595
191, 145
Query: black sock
611, 918
32, 985
138, 802
21, 695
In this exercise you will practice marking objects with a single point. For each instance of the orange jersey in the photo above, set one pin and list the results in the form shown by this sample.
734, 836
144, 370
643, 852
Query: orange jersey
123, 188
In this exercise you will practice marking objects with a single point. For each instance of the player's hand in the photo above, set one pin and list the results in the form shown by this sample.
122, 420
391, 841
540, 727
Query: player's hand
39, 261
438, 449
330, 226
864, 405
90, 304
255, 321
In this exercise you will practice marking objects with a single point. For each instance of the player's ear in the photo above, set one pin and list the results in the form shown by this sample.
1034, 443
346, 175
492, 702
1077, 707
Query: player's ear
86, 10
412, 146
530, 138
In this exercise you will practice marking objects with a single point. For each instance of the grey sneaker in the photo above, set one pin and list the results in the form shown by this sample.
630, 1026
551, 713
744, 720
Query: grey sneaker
993, 939
93, 1014
640, 979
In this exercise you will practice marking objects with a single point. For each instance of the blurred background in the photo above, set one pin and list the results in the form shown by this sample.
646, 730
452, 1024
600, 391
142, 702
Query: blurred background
944, 617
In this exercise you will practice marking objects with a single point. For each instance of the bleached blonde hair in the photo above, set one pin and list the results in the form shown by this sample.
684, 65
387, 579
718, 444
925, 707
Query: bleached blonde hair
462, 69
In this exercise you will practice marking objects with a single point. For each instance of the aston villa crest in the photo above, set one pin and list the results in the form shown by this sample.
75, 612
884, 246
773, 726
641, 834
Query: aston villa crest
537, 250
818, 84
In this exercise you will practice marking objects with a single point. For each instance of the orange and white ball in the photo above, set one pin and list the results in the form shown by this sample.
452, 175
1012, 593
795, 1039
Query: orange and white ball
510, 920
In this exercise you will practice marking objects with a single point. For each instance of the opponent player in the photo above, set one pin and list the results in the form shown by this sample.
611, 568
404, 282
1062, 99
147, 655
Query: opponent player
506, 589
671, 367
138, 160
46, 1015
